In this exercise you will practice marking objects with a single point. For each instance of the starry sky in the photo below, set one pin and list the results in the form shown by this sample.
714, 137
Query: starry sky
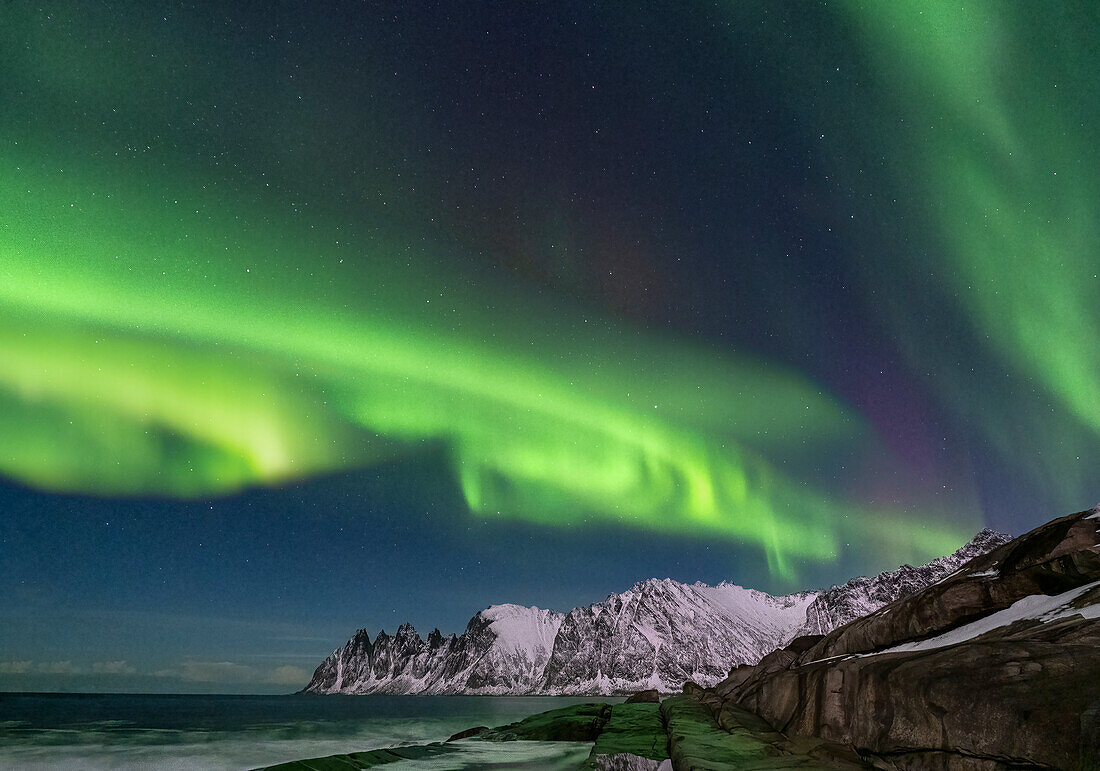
343, 314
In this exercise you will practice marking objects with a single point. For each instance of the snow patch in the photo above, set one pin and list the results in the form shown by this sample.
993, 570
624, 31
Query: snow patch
519, 629
1036, 607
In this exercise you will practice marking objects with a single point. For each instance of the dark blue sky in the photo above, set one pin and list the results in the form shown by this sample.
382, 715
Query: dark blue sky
729, 214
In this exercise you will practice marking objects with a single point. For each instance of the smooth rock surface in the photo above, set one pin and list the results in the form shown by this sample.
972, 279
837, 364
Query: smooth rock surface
996, 666
697, 742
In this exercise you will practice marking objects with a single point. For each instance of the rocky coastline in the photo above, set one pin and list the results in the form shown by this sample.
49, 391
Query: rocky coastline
995, 666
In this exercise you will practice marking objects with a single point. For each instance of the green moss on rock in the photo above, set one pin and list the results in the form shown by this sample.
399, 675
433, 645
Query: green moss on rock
359, 760
636, 729
577, 723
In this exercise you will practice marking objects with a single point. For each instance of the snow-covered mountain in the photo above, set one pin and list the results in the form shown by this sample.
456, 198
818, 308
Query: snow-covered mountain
657, 634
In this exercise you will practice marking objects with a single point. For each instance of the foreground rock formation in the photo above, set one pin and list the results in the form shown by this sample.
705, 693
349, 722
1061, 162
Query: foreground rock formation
996, 666
678, 733
656, 635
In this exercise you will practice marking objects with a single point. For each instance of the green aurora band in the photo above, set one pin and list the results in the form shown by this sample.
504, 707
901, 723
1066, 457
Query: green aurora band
982, 119
161, 335
125, 374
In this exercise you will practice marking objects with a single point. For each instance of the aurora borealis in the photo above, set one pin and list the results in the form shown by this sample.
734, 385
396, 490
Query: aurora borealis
736, 292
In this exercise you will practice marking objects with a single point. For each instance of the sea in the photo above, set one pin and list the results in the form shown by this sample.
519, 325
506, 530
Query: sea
147, 731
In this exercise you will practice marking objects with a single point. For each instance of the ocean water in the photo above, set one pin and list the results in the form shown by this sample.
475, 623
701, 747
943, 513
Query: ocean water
139, 731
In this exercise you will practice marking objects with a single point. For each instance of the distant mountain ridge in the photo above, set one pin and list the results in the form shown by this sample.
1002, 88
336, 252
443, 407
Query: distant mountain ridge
655, 635
837, 606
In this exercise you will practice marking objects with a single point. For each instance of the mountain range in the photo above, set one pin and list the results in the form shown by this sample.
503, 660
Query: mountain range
656, 635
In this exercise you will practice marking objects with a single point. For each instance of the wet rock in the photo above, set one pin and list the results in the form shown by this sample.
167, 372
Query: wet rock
361, 760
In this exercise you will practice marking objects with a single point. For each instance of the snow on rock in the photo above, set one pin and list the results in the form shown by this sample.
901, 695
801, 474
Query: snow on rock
517, 642
1041, 608
655, 635
521, 629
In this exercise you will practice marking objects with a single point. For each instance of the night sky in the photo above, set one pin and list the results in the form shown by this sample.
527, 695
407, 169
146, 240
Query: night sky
319, 316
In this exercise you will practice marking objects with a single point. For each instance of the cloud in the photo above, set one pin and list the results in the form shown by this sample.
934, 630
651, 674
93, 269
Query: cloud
288, 675
65, 668
231, 672
211, 672
301, 638
39, 667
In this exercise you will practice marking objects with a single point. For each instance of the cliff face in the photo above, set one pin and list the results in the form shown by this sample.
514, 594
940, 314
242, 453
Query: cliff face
656, 635
995, 666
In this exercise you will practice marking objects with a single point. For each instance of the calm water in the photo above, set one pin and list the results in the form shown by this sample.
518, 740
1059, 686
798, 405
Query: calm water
127, 731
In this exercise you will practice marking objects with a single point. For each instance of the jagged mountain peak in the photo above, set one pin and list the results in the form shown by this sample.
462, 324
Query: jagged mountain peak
657, 583
507, 609
984, 540
407, 630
